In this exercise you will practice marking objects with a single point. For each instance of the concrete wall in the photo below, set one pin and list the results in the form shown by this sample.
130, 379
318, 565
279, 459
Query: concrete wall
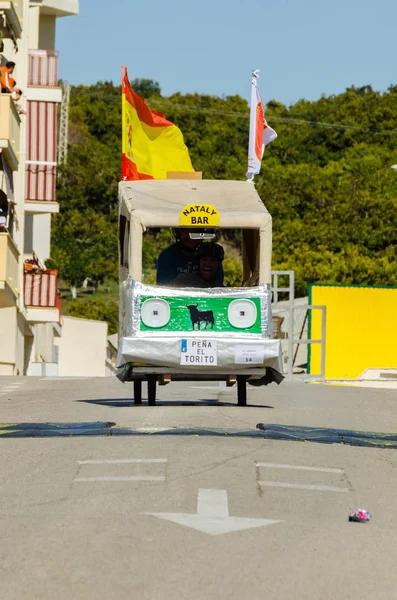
33, 34
28, 243
47, 32
38, 235
11, 342
60, 8
8, 335
82, 348
28, 353
44, 350
20, 346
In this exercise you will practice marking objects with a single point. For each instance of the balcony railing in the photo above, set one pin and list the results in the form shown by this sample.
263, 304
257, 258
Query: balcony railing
43, 68
9, 130
41, 290
8, 270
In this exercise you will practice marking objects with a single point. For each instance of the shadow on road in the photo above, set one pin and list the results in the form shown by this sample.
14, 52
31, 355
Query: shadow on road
122, 403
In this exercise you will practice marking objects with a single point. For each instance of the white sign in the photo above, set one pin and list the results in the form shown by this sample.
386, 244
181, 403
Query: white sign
199, 352
212, 515
249, 355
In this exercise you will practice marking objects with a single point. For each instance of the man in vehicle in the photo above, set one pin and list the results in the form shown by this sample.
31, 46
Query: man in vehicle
210, 257
181, 258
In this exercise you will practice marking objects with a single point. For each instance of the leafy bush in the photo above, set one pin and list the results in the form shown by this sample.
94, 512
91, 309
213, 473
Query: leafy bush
233, 272
97, 309
330, 190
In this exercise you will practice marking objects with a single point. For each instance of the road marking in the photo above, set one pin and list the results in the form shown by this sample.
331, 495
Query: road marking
212, 503
302, 486
122, 461
123, 478
206, 387
212, 515
84, 468
64, 378
11, 387
298, 467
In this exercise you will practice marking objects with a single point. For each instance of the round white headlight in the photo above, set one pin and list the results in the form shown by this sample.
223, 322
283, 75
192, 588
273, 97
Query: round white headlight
242, 313
155, 312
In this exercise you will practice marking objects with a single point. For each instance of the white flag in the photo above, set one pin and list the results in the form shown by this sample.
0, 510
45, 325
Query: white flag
260, 132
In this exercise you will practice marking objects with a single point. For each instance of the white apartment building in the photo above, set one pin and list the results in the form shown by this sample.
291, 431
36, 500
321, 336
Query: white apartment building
30, 317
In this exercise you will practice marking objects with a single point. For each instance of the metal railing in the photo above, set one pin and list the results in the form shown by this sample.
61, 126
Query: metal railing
290, 290
290, 308
41, 289
43, 68
292, 341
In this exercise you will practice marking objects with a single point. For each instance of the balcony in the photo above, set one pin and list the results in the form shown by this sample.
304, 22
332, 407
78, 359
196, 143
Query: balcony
59, 8
9, 130
41, 157
43, 68
13, 10
8, 271
42, 301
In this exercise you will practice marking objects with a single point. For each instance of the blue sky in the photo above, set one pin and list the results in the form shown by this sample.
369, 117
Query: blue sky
304, 48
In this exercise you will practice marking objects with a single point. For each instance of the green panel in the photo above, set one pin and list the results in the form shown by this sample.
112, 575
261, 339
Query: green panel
180, 314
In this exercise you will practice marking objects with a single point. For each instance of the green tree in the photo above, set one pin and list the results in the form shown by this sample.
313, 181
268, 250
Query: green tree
233, 272
146, 87
85, 246
326, 180
97, 309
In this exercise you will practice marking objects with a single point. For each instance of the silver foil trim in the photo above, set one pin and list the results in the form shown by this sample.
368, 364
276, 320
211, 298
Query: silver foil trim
130, 302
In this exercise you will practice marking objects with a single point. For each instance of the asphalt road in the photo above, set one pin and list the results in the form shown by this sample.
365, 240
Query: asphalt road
202, 516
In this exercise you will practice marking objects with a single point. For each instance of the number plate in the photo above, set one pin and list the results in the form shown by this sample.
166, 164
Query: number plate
199, 353
249, 355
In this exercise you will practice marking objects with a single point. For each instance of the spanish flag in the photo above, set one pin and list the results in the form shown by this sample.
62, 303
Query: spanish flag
151, 145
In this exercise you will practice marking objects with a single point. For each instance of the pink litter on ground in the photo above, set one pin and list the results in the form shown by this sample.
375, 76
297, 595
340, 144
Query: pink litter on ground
359, 515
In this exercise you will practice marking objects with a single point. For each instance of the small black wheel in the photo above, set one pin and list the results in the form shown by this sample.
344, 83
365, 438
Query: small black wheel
241, 390
151, 389
137, 391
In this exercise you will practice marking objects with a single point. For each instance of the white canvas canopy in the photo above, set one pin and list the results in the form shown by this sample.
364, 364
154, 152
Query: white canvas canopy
158, 203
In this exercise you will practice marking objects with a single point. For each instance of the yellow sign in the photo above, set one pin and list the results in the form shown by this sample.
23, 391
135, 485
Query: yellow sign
199, 215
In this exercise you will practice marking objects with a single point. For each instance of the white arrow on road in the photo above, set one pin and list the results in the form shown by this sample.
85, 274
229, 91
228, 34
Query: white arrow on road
213, 515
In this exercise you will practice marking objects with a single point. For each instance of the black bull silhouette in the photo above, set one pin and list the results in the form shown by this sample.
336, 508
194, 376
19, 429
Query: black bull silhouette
200, 316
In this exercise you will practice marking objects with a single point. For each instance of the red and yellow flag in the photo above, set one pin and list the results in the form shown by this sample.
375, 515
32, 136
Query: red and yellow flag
260, 133
151, 145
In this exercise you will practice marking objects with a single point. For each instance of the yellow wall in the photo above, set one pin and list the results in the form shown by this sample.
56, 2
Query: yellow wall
361, 329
